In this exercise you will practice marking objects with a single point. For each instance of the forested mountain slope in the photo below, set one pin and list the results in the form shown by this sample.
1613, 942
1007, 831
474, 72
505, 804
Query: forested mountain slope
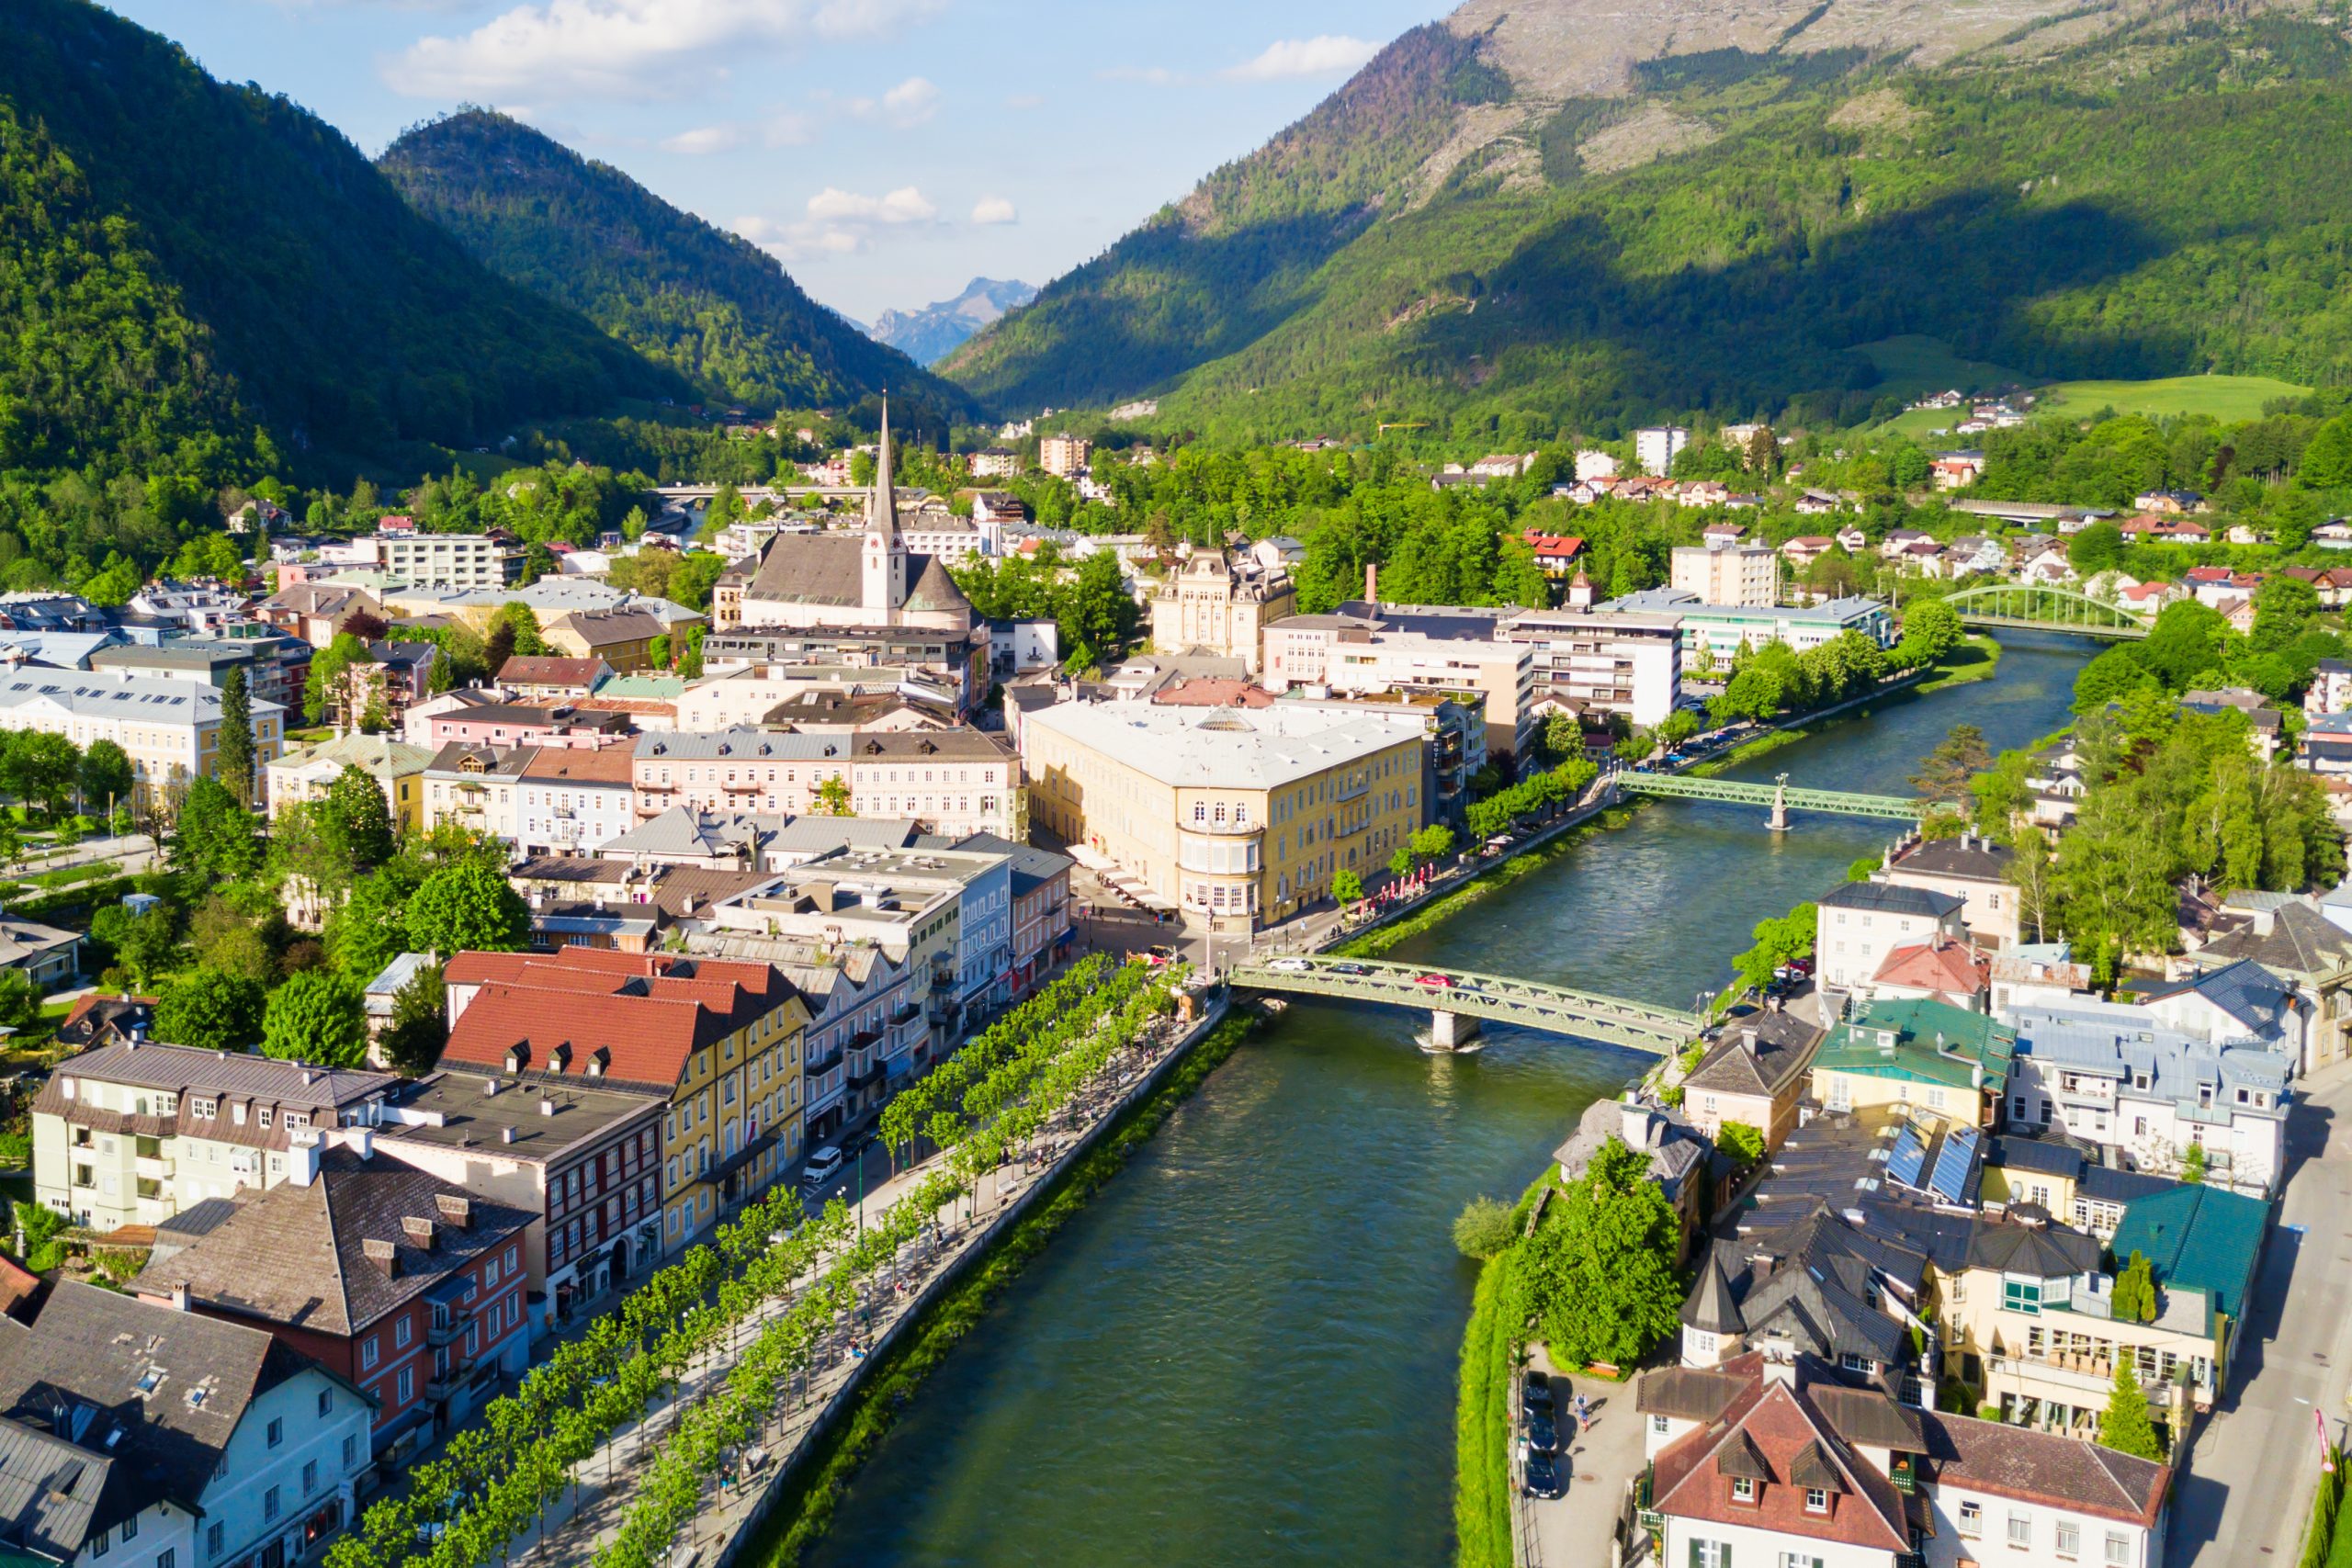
713, 306
1604, 233
191, 271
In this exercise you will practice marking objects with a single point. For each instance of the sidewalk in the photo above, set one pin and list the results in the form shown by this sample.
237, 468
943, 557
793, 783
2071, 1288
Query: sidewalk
1573, 1530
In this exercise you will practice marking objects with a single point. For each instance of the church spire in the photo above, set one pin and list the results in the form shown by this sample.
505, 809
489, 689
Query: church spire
882, 505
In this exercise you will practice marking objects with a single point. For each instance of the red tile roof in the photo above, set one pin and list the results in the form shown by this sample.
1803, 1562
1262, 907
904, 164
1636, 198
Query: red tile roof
1559, 547
653, 1011
1948, 967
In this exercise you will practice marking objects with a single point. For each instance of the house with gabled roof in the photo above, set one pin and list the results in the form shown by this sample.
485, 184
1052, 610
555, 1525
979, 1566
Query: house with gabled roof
1754, 1074
2308, 952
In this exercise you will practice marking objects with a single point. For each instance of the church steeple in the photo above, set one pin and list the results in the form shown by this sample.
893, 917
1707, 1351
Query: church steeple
883, 555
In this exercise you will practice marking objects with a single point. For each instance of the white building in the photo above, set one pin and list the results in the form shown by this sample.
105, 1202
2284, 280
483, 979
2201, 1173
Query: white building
1655, 446
1732, 573
1858, 923
449, 561
570, 801
160, 1437
215, 1125
474, 787
1722, 630
1603, 661
171, 729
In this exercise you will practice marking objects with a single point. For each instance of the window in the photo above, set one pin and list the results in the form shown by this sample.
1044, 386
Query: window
400, 1331
99, 1544
1799, 1560
1710, 1554
277, 1431
309, 1476
2021, 1295
130, 1528
1743, 1490
326, 1401
368, 1352
2020, 1529
350, 1453
1659, 1424
2069, 1540
213, 1538
271, 1504
1817, 1499
407, 1386
1972, 1519
2119, 1549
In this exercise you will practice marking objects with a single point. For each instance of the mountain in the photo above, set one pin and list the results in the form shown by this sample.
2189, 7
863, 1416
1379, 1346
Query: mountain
930, 334
1548, 213
713, 306
208, 280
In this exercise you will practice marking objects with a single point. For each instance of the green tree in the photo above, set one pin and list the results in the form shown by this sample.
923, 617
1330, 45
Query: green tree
369, 929
1346, 887
211, 1010
235, 769
1404, 862
832, 797
1483, 1228
1933, 628
1597, 1277
2110, 678
1945, 773
2127, 1426
1434, 843
419, 1026
1742, 1143
42, 768
214, 835
1778, 940
467, 906
144, 946
329, 694
19, 1000
2099, 548
316, 1016
2135, 1297
358, 817
2193, 1165
104, 777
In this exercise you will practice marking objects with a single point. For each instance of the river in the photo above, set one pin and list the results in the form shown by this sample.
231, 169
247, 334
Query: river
1243, 1352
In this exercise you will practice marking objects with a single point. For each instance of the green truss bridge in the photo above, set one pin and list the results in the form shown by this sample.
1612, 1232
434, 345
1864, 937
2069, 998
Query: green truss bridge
2019, 608
1457, 999
1776, 794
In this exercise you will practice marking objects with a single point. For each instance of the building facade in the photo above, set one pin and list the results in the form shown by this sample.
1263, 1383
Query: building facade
170, 729
1221, 607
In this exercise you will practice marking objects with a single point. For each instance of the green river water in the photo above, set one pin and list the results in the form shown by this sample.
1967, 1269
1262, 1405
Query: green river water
1243, 1352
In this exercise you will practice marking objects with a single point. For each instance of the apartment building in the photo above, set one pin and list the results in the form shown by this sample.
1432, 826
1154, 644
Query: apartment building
133, 1132
1971, 868
449, 561
954, 782
622, 637
1502, 676
1720, 631
566, 1156
1454, 734
153, 1436
1041, 931
1914, 1057
868, 1031
1727, 572
1857, 924
511, 724
1221, 607
720, 1041
1063, 456
2117, 1077
568, 801
406, 1285
1596, 663
473, 787
1241, 816
307, 772
1656, 447
170, 729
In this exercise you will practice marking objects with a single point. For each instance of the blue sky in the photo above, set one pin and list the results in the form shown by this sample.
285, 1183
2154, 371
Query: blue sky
886, 150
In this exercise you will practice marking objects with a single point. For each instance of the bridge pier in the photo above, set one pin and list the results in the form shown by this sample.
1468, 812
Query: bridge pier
1451, 1031
1779, 822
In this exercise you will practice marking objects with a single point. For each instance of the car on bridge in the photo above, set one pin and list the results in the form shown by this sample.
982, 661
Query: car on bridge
1291, 966
1354, 970
1439, 982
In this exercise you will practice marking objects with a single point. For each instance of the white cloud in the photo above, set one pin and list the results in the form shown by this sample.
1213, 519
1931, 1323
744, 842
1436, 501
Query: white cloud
1322, 55
911, 103
840, 222
636, 48
790, 127
994, 209
705, 139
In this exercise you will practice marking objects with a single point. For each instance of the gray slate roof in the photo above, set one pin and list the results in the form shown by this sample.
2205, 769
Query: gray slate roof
1884, 898
2301, 941
1784, 1045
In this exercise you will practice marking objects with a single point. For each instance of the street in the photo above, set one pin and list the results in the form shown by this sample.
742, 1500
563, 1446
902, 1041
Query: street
2248, 1490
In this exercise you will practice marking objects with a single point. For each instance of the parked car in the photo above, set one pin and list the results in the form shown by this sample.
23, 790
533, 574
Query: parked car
1542, 1438
1355, 969
1543, 1476
1291, 966
823, 1166
1535, 1389
1436, 982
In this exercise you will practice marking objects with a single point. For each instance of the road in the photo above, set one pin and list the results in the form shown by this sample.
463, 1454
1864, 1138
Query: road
2248, 1489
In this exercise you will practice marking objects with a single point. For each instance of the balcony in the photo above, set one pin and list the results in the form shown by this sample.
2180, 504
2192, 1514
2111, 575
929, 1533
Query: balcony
439, 1386
1224, 830
154, 1167
443, 1331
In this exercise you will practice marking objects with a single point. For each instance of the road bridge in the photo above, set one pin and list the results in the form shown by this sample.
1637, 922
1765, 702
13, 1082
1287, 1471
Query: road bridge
1458, 999
1776, 794
755, 494
2016, 607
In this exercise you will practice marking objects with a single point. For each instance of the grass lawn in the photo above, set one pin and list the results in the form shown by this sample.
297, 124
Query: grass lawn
2224, 397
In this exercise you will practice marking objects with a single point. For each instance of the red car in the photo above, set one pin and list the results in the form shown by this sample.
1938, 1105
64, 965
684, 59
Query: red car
1440, 982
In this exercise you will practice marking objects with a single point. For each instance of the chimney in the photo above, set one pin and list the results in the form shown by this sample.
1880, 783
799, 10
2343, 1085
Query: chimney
547, 1107
302, 1164
179, 1296
457, 1208
1372, 583
1760, 1268
384, 1256
1782, 1369
1747, 1041
1771, 1004
418, 1230
1636, 1124
507, 1132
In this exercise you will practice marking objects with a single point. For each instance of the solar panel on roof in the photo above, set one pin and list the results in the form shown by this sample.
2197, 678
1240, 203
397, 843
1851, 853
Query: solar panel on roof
1910, 1152
1950, 1181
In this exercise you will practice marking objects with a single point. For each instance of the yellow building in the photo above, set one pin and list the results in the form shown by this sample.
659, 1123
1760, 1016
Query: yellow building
622, 638
1238, 817
722, 1040
1220, 607
306, 772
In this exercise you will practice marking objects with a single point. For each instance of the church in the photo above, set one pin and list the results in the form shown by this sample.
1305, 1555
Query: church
841, 580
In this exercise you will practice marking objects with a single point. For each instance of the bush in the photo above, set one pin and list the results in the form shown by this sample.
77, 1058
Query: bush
1740, 1142
1483, 1228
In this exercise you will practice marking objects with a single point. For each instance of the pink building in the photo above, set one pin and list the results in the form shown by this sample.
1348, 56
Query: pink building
508, 724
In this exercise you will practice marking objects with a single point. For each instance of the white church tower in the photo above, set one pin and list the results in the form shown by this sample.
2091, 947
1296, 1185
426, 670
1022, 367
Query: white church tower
884, 558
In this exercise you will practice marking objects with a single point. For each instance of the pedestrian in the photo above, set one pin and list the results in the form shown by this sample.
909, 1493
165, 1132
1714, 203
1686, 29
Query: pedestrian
1584, 1416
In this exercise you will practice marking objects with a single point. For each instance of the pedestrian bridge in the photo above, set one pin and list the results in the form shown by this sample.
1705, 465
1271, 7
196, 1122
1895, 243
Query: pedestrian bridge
1468, 998
2021, 609
1776, 794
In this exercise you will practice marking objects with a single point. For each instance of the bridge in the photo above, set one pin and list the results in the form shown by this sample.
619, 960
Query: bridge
755, 494
2015, 607
1457, 999
1776, 794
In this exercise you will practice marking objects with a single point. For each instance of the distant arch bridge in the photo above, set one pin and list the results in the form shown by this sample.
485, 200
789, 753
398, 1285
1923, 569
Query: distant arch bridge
2019, 607
1458, 999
